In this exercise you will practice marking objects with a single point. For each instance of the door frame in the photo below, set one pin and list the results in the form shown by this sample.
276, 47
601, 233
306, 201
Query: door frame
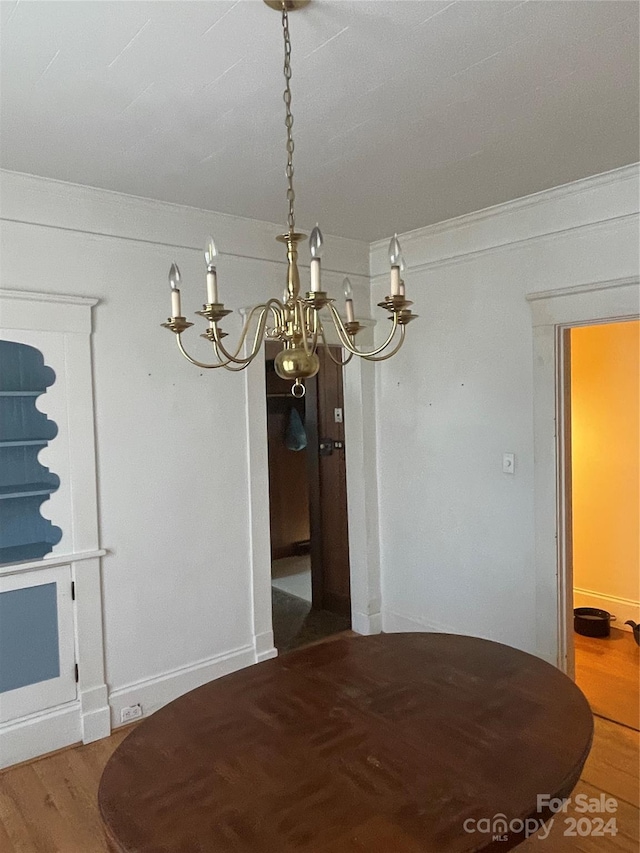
362, 500
554, 312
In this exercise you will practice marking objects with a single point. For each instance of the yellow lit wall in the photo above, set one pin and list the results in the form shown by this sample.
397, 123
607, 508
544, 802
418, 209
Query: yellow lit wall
605, 406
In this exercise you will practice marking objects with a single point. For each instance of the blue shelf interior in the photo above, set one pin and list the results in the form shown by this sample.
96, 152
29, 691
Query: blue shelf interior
24, 430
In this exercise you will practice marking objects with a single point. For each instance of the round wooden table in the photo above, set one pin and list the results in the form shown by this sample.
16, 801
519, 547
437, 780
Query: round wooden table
396, 743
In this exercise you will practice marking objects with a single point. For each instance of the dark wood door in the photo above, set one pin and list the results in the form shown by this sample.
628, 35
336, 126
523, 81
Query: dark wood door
325, 481
328, 489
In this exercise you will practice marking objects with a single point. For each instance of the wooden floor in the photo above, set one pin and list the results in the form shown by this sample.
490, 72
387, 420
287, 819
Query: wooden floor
608, 673
50, 806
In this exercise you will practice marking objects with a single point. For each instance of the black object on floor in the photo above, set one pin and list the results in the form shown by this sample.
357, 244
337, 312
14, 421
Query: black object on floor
296, 624
592, 622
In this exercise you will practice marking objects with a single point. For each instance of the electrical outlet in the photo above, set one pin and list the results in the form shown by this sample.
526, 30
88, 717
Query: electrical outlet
130, 713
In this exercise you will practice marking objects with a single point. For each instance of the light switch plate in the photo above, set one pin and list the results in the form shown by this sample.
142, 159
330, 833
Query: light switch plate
509, 463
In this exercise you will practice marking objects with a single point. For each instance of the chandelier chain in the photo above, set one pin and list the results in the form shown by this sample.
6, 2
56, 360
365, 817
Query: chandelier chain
288, 118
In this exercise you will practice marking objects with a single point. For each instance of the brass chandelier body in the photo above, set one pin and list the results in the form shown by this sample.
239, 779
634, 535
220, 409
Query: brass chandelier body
296, 321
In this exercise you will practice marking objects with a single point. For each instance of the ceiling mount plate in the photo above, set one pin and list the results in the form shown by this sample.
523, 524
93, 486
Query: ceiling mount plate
291, 5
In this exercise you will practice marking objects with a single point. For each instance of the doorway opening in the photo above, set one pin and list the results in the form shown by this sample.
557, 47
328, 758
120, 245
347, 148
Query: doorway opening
310, 573
602, 435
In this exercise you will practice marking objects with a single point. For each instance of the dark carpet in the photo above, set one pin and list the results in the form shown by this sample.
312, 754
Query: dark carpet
296, 624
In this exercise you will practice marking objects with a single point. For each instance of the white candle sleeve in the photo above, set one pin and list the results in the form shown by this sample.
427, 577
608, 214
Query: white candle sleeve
175, 303
395, 281
350, 315
315, 275
212, 287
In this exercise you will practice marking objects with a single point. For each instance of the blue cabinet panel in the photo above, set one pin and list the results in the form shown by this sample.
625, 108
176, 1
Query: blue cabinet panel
29, 642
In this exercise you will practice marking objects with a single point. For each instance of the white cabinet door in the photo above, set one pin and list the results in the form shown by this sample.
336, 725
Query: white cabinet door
37, 649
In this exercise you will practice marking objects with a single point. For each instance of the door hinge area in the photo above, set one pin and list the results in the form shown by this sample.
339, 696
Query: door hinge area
75, 669
73, 590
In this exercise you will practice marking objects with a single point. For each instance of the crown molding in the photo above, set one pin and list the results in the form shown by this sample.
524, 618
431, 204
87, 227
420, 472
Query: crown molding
48, 202
589, 287
68, 190
548, 236
59, 298
615, 176
588, 202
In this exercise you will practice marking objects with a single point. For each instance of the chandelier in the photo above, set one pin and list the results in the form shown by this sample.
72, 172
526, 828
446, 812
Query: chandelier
296, 321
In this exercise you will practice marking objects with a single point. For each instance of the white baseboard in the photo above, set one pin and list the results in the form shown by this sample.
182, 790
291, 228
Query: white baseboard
96, 725
154, 693
264, 648
366, 624
622, 608
95, 716
37, 734
397, 623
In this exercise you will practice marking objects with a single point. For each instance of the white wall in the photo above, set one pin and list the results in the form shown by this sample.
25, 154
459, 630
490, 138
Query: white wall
171, 439
456, 534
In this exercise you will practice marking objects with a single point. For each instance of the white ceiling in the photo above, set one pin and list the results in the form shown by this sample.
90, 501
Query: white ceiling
406, 113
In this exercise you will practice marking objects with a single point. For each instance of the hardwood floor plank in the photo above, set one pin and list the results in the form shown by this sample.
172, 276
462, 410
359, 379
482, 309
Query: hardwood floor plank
30, 815
75, 803
608, 673
51, 804
612, 765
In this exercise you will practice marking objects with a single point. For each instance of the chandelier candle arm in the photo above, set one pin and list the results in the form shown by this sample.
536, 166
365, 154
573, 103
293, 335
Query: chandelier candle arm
257, 341
194, 360
295, 322
343, 334
392, 352
340, 362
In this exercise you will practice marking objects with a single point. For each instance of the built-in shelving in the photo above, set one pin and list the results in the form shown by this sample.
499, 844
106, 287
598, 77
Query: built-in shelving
27, 490
25, 483
30, 442
22, 553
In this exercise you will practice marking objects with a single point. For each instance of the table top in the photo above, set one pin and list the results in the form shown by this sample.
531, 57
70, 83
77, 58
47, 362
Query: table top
393, 743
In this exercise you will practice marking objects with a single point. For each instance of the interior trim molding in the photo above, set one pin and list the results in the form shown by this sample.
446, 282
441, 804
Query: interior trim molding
614, 176
590, 287
66, 321
49, 562
39, 734
153, 693
398, 623
551, 316
615, 598
70, 191
109, 214
593, 302
60, 298
164, 246
548, 236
